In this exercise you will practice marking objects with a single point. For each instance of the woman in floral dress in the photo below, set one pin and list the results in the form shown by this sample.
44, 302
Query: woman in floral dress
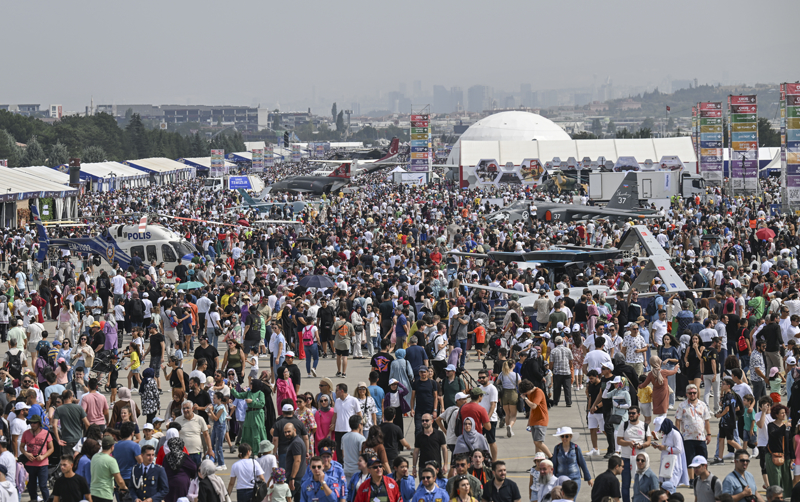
577, 356
305, 415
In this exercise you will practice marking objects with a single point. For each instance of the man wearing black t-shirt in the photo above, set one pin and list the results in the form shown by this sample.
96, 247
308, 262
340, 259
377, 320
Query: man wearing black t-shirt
772, 334
380, 362
392, 436
500, 489
429, 444
70, 487
207, 352
423, 397
607, 484
199, 397
156, 351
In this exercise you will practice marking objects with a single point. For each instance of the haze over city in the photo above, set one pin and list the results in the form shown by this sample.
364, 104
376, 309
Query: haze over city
297, 56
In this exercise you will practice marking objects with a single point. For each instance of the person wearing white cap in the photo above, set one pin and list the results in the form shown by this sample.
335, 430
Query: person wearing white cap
17, 427
568, 459
707, 488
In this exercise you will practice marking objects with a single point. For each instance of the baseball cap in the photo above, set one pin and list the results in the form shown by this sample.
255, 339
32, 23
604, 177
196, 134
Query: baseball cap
325, 450
450, 367
560, 325
56, 343
791, 360
21, 406
393, 381
476, 391
287, 407
36, 419
558, 339
289, 353
608, 365
616, 379
152, 326
108, 442
158, 419
147, 427
698, 461
461, 395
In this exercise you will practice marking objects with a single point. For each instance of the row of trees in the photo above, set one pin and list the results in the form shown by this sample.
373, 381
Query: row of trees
99, 138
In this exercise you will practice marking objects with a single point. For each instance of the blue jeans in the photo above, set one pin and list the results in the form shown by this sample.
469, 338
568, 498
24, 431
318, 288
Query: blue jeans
37, 477
626, 480
217, 436
196, 458
311, 351
463, 345
212, 336
243, 495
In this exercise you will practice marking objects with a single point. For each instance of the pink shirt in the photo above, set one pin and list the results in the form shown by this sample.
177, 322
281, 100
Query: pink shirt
36, 446
95, 406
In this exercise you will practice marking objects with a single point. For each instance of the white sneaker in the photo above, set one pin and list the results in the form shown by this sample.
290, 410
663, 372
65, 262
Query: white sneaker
314, 372
672, 407
593, 452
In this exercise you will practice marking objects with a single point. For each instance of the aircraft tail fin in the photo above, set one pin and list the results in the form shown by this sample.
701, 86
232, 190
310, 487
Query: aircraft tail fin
246, 197
343, 171
394, 147
627, 195
44, 241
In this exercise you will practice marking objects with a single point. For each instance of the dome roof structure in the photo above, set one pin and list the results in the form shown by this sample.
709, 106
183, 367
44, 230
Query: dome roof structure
509, 126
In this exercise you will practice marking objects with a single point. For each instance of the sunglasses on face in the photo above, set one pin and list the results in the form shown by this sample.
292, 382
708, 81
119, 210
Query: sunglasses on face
315, 467
427, 477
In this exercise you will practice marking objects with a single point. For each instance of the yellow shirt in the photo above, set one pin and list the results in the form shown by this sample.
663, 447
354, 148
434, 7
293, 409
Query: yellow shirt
223, 302
645, 395
135, 363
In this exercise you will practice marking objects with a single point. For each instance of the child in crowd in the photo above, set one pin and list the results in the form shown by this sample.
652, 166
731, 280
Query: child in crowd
645, 396
776, 380
749, 436
148, 438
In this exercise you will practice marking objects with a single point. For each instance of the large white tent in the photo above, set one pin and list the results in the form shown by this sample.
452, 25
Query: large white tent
47, 173
105, 176
204, 163
163, 170
18, 188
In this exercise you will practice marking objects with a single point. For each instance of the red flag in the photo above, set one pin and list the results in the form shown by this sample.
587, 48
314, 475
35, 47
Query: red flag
668, 108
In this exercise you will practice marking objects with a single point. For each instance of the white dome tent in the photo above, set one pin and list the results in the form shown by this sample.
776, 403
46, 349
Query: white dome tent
509, 126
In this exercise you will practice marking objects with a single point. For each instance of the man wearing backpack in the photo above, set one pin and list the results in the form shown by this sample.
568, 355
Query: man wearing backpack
728, 417
343, 333
707, 488
15, 359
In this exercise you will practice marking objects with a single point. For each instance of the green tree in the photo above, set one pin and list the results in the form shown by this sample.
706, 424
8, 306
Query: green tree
92, 154
644, 132
340, 122
612, 128
624, 133
138, 145
9, 150
333, 112
584, 135
767, 136
34, 154
597, 127
58, 155
649, 123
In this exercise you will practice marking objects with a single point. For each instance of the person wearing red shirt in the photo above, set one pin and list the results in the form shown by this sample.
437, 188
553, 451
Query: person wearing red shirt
39, 303
436, 256
377, 486
475, 411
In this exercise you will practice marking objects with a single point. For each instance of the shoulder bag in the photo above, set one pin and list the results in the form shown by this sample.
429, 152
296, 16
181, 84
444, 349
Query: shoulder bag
778, 458
24, 460
259, 487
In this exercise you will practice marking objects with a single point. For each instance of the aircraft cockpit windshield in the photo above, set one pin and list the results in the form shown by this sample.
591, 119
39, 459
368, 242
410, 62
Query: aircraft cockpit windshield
184, 248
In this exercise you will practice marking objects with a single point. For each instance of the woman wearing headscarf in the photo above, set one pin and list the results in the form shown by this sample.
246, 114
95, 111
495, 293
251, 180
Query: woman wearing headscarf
672, 444
124, 400
470, 440
253, 431
148, 390
401, 371
211, 488
645, 480
161, 453
284, 387
270, 415
658, 377
180, 470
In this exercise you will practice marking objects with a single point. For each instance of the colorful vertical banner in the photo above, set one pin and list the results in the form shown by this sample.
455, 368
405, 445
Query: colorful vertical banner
743, 145
296, 155
792, 134
257, 164
694, 136
217, 168
319, 148
420, 155
709, 125
269, 157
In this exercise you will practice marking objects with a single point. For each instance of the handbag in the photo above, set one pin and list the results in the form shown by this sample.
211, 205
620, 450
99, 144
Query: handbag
22, 459
194, 490
614, 420
259, 487
667, 466
778, 458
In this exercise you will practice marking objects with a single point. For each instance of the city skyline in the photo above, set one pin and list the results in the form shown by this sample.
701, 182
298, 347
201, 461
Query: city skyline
281, 56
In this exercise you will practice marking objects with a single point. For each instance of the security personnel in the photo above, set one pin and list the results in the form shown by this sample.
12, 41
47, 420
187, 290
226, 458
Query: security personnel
332, 469
318, 489
149, 479
428, 490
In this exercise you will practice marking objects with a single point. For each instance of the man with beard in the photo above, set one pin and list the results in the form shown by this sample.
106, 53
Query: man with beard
548, 480
501, 489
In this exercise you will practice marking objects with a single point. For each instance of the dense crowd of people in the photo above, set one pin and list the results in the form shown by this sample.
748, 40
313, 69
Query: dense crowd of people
231, 352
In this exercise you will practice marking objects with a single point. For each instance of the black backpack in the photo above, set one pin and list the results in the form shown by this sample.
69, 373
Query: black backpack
14, 365
441, 309
137, 309
651, 308
430, 347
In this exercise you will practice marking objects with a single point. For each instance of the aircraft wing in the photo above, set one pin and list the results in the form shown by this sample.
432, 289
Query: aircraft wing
472, 255
571, 212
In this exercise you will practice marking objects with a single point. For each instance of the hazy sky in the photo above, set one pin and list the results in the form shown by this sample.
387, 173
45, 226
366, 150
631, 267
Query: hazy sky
199, 51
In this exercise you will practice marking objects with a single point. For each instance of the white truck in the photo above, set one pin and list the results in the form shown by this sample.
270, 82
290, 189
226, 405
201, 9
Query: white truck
655, 187
246, 182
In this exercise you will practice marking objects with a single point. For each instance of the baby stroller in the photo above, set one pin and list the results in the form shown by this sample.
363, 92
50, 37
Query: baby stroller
104, 363
493, 346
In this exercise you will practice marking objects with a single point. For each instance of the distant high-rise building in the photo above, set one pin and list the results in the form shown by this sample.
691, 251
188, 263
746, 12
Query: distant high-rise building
417, 90
441, 100
457, 98
526, 95
478, 98
401, 87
